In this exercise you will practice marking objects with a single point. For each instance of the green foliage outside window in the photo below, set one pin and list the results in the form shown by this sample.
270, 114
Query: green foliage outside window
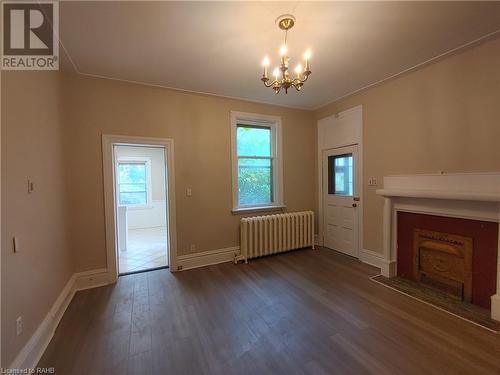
254, 165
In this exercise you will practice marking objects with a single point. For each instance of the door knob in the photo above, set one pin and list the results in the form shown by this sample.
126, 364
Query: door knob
354, 205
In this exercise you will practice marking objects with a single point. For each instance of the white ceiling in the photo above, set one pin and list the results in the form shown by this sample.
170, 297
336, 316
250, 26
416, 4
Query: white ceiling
217, 47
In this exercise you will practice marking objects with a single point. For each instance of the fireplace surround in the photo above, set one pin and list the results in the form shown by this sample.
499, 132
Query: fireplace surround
472, 196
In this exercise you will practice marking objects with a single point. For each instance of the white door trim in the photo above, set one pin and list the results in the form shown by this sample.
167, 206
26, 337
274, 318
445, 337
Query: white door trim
109, 195
349, 137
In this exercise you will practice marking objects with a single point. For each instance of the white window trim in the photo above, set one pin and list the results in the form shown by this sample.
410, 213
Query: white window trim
149, 189
274, 122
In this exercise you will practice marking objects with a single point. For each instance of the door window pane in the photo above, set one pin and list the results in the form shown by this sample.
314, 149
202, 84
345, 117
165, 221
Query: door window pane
340, 175
253, 141
254, 181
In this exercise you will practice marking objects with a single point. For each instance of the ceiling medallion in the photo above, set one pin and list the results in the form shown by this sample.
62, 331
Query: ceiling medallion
282, 78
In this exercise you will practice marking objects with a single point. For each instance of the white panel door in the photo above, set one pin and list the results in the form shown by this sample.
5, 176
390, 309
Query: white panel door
340, 199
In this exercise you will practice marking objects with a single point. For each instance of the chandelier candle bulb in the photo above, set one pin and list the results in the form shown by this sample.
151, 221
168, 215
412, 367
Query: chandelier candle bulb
285, 80
298, 70
307, 57
265, 63
276, 73
283, 51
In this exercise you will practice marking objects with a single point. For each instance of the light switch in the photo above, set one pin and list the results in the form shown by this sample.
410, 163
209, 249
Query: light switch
189, 192
15, 242
31, 186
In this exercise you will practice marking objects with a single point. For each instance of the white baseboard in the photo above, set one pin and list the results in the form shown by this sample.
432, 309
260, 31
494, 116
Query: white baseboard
30, 354
91, 279
206, 258
372, 258
495, 307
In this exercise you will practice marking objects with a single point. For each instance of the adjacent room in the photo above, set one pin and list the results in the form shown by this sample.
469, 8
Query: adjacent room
140, 200
250, 187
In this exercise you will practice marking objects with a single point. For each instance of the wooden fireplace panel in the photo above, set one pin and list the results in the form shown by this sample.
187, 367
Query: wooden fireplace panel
445, 260
484, 237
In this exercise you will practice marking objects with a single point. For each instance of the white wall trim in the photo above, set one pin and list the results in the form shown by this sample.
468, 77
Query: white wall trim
91, 279
372, 258
108, 141
207, 258
30, 354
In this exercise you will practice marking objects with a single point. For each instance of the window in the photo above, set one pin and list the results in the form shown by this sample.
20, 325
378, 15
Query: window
340, 174
134, 182
256, 162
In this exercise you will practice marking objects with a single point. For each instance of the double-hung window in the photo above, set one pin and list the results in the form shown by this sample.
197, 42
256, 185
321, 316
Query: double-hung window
134, 182
257, 172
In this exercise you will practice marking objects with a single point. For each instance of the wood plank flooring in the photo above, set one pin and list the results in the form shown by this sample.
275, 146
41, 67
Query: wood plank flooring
304, 312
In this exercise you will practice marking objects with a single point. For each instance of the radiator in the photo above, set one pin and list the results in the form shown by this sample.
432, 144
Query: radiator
271, 234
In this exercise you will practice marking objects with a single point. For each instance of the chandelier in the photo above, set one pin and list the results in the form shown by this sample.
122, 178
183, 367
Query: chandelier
282, 78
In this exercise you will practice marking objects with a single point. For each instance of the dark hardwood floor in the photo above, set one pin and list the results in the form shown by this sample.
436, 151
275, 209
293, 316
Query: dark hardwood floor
304, 312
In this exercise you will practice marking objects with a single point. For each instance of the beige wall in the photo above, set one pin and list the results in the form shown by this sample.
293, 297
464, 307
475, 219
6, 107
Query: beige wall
200, 128
444, 117
32, 146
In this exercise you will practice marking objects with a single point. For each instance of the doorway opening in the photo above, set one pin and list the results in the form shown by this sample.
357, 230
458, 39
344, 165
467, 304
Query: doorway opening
136, 171
140, 197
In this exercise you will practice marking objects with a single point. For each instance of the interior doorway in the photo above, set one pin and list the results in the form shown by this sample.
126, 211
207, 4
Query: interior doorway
141, 207
139, 198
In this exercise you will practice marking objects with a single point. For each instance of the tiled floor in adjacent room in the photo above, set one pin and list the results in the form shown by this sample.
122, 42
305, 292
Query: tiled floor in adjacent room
147, 249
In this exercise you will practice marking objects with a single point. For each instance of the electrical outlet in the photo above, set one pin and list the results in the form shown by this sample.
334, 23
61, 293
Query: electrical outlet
192, 247
19, 325
189, 192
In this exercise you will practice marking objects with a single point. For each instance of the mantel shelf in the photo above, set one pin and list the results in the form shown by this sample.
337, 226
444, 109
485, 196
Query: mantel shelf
439, 194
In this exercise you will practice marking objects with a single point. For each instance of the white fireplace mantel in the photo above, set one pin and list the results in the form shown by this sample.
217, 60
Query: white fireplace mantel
464, 195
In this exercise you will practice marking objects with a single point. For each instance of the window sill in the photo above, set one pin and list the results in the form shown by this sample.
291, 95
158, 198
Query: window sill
249, 210
141, 207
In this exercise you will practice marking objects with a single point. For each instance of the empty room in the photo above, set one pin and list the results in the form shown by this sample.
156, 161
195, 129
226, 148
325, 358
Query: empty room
238, 187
